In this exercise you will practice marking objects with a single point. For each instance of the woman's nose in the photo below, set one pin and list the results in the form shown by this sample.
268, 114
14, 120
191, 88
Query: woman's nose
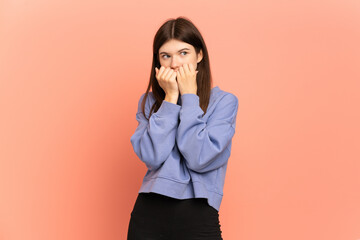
175, 64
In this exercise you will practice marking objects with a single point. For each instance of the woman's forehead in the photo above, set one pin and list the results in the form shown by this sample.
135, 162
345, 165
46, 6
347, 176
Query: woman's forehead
173, 46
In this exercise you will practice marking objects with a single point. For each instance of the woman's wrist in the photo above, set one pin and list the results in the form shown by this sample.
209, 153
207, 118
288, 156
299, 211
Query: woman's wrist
171, 98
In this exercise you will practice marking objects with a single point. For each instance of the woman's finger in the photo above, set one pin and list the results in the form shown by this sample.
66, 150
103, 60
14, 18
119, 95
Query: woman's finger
187, 69
182, 71
168, 74
191, 68
173, 75
161, 70
165, 72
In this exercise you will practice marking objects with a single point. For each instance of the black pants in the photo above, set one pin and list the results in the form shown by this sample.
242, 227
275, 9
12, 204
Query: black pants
159, 217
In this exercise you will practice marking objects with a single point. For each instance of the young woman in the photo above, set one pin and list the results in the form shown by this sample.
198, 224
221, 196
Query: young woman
184, 135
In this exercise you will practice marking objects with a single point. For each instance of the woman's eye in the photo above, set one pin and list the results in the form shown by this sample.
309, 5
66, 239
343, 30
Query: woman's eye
164, 56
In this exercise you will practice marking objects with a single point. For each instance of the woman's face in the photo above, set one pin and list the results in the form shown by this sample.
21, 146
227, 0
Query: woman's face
175, 53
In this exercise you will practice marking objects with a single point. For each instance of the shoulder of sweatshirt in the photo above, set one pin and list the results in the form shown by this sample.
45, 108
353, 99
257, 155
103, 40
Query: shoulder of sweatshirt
223, 99
222, 95
148, 104
149, 100
223, 105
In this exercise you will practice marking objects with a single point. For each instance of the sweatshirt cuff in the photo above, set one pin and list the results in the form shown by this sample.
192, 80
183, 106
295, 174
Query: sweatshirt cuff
169, 110
190, 100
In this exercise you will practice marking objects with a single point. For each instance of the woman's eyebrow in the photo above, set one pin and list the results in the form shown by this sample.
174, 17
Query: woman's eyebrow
178, 51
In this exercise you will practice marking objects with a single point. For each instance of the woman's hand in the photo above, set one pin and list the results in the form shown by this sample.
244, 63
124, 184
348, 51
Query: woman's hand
186, 79
167, 80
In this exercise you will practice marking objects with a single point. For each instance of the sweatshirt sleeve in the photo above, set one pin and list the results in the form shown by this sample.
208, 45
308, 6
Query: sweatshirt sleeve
204, 145
154, 139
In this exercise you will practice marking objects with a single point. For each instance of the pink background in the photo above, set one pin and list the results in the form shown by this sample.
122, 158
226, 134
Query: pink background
71, 73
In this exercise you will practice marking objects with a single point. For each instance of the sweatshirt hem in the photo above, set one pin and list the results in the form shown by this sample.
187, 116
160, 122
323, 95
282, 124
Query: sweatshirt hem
180, 190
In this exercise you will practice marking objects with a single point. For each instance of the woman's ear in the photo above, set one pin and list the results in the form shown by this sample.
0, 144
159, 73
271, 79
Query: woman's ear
200, 56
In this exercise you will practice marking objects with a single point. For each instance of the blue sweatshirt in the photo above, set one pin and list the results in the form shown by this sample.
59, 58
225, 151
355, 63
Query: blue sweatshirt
186, 154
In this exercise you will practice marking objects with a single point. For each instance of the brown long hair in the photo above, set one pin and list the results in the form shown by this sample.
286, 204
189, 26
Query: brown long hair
181, 29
